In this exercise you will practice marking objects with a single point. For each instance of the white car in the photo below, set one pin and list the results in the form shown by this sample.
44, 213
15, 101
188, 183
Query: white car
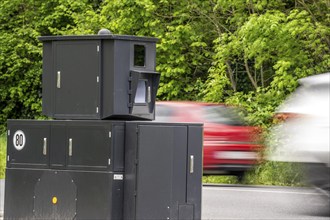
304, 136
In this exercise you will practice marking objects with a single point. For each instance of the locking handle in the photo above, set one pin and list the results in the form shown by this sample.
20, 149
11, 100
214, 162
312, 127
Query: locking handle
191, 167
44, 148
58, 83
70, 147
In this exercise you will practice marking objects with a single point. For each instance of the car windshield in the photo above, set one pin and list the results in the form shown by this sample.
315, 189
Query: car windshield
222, 115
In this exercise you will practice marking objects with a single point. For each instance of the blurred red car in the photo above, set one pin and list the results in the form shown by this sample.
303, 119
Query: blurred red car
230, 147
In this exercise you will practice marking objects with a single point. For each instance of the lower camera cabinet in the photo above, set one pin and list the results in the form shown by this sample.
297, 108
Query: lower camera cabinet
103, 170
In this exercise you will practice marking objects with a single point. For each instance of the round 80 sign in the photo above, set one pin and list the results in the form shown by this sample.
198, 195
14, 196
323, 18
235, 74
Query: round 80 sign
19, 140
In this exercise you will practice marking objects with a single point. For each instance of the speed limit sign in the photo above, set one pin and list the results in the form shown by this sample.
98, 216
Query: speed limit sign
19, 140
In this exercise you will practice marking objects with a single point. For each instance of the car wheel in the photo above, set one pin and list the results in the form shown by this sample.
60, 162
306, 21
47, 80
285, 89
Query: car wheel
240, 176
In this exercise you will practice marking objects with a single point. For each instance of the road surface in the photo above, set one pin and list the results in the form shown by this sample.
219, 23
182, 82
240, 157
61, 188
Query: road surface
258, 202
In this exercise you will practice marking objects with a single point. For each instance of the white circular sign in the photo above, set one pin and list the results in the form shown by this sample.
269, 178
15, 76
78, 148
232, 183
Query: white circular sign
19, 140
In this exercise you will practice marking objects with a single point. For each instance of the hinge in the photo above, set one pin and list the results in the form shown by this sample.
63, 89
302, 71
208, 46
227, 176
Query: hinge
98, 48
8, 158
109, 134
109, 161
97, 109
8, 132
97, 79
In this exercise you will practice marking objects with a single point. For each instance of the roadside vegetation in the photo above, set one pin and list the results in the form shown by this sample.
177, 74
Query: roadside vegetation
2, 155
267, 173
244, 53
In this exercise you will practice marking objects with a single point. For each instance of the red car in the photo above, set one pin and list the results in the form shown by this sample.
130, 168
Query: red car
230, 147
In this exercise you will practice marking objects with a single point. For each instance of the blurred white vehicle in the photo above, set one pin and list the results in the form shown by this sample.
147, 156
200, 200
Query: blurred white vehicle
304, 135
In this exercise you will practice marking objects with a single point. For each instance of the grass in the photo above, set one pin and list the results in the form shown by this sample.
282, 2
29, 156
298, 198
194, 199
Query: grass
3, 144
267, 173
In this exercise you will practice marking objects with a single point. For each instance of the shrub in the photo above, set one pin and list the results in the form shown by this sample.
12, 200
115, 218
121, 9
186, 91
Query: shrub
3, 142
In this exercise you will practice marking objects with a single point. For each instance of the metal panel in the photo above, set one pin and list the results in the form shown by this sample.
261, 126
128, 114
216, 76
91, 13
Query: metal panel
28, 143
55, 196
118, 147
108, 82
76, 68
29, 194
88, 145
58, 149
121, 53
157, 163
99, 195
47, 78
154, 169
19, 193
194, 174
186, 212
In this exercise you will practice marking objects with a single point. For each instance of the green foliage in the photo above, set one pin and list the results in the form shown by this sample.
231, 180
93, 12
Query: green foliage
276, 173
3, 147
268, 173
220, 179
21, 22
247, 53
266, 55
184, 49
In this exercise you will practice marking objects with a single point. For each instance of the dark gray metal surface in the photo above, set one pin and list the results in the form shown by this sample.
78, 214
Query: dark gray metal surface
194, 193
32, 153
55, 196
80, 194
77, 91
160, 182
59, 141
89, 77
85, 163
82, 145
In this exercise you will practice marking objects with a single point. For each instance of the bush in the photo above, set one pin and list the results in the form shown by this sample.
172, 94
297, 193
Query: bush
268, 173
3, 142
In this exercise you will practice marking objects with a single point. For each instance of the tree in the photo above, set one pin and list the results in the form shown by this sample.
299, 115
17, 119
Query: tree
21, 22
246, 52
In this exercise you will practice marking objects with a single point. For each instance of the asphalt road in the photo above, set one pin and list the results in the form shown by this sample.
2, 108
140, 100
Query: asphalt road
253, 202
238, 202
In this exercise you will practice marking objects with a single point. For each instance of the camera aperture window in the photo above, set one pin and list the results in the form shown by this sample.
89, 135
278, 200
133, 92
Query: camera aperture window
139, 55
